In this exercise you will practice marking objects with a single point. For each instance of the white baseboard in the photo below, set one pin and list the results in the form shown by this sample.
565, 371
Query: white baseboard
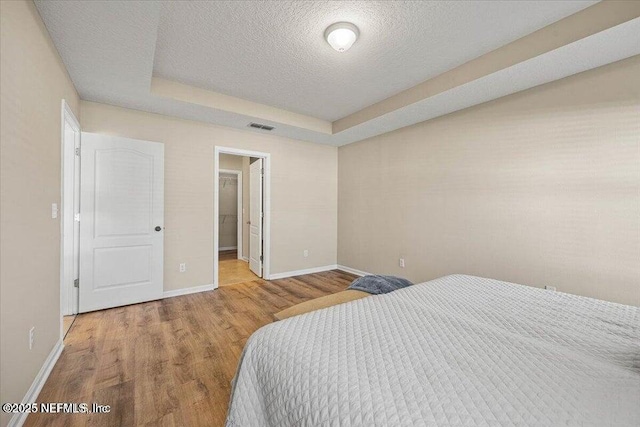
301, 272
187, 291
353, 271
227, 248
245, 259
36, 386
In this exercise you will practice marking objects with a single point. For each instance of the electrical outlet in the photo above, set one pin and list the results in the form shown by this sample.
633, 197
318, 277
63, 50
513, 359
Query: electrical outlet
550, 288
401, 263
54, 210
183, 267
305, 253
32, 337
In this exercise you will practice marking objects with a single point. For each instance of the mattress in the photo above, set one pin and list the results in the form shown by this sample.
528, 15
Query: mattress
456, 351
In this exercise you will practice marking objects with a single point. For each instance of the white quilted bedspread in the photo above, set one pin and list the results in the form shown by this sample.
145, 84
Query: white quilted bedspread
456, 351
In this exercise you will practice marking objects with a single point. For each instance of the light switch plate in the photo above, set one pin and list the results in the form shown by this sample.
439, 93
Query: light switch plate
54, 210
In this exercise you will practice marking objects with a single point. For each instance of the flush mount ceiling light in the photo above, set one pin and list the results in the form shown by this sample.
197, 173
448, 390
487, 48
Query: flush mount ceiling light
341, 35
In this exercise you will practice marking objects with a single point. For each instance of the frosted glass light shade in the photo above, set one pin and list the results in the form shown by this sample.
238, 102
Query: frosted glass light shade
341, 35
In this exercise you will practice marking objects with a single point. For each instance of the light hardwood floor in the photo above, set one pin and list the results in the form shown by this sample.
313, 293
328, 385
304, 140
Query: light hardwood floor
233, 270
229, 255
67, 322
169, 362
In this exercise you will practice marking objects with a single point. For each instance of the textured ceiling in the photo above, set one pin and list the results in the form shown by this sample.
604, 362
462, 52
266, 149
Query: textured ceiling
275, 53
586, 54
107, 47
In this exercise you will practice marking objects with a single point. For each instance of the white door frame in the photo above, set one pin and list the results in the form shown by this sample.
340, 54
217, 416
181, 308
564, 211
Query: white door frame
69, 185
266, 206
238, 175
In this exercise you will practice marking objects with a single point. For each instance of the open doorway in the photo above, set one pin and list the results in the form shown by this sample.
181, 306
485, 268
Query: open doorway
240, 216
233, 268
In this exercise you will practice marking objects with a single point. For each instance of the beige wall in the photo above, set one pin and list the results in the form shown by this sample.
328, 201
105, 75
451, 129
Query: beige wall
33, 82
231, 162
541, 187
303, 190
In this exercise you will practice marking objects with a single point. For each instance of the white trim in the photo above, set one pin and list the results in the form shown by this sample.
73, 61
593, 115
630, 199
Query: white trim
267, 205
239, 236
301, 272
227, 248
69, 252
187, 291
245, 259
353, 270
36, 386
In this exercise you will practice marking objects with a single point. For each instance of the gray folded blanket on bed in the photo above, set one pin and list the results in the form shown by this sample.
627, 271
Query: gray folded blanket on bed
376, 285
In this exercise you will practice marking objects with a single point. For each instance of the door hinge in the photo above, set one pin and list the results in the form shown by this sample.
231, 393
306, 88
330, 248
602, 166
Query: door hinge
76, 217
261, 258
76, 283
77, 151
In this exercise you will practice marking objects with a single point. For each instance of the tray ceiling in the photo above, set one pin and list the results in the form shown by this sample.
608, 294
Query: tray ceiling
231, 63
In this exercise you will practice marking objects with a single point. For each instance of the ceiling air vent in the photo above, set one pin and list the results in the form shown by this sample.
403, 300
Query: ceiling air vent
260, 126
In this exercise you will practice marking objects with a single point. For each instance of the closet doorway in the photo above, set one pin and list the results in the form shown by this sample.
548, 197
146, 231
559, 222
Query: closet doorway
230, 217
240, 231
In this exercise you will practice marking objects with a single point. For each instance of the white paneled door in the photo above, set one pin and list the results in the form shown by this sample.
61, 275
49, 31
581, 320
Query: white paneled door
121, 221
255, 216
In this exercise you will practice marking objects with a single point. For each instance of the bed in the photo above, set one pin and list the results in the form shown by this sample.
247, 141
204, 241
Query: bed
459, 350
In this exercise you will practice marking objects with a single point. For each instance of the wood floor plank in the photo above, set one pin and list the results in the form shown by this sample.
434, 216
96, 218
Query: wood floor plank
229, 255
233, 270
169, 362
121, 413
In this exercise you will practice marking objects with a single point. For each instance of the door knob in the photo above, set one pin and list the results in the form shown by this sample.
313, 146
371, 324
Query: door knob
158, 228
